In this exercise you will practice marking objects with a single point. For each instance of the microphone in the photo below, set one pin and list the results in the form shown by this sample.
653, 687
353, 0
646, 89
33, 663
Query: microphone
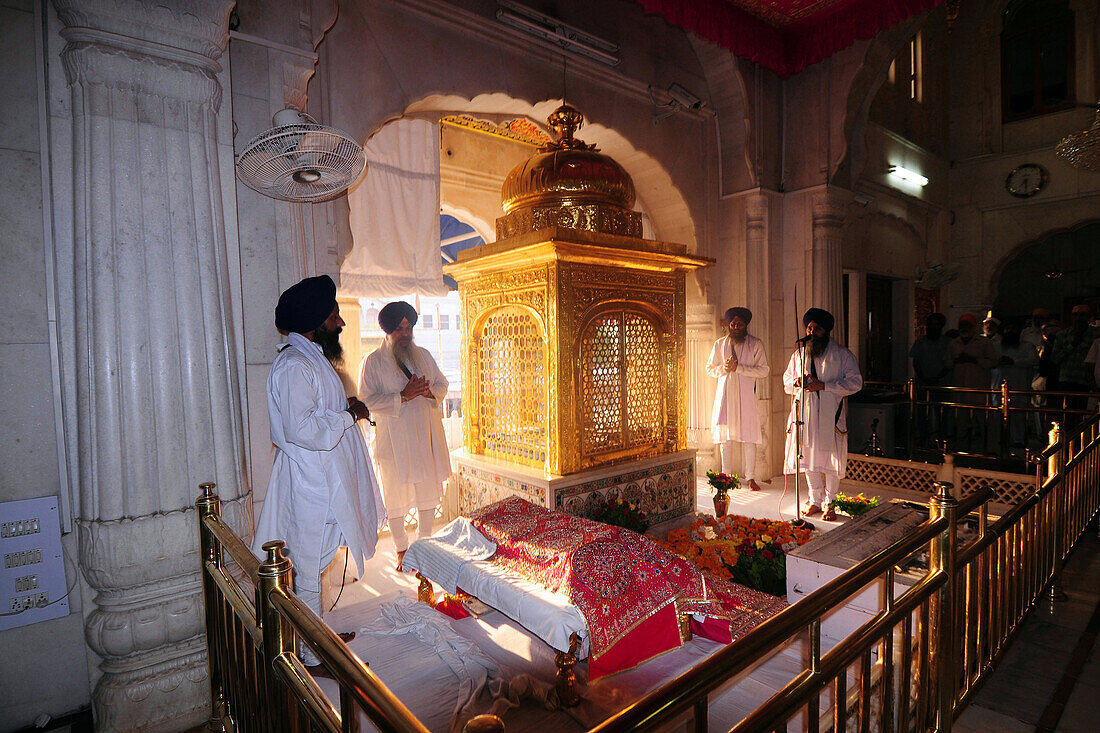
804, 340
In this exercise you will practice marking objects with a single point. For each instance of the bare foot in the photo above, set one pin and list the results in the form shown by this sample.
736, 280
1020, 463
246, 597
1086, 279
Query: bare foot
812, 510
753, 486
830, 515
400, 557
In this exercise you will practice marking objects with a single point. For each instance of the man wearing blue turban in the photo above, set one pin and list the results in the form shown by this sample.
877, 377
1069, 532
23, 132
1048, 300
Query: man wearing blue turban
322, 493
820, 374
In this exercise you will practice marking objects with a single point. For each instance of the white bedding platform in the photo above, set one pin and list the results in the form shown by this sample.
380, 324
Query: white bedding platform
454, 557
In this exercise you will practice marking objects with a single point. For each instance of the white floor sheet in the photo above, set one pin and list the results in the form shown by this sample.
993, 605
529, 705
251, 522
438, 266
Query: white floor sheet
438, 666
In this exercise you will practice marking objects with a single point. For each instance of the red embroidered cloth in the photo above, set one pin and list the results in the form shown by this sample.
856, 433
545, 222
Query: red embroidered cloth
619, 580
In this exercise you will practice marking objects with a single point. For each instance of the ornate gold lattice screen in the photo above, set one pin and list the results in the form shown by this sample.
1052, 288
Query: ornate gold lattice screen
623, 374
512, 397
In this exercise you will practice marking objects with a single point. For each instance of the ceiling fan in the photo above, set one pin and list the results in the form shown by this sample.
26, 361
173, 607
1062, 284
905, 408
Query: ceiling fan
300, 160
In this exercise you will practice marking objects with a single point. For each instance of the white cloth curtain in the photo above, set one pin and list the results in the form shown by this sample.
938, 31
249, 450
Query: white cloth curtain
395, 216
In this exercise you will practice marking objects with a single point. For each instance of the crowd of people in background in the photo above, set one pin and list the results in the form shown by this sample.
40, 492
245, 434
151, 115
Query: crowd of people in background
1039, 354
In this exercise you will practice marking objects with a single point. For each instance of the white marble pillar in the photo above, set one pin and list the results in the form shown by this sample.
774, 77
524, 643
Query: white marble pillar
827, 277
157, 408
757, 269
700, 386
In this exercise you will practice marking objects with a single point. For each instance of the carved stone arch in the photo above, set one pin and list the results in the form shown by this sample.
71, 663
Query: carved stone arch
883, 244
658, 197
739, 160
865, 85
1024, 243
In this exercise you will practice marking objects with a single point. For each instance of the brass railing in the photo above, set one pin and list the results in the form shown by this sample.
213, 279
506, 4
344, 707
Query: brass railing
912, 667
257, 682
934, 413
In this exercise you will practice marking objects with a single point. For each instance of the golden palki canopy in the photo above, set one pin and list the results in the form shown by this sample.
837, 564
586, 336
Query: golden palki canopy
573, 326
569, 184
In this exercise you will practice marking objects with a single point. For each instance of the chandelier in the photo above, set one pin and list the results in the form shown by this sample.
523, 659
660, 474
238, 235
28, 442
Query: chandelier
1082, 149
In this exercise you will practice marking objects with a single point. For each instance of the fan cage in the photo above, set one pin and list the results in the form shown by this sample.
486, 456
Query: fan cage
269, 161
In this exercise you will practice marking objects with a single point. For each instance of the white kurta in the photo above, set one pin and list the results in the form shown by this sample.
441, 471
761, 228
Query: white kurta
825, 434
322, 469
735, 415
410, 447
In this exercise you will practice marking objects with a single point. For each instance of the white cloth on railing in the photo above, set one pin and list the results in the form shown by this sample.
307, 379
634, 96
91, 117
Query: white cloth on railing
475, 671
441, 556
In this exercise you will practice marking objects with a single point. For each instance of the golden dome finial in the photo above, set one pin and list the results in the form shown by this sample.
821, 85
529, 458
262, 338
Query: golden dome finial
564, 121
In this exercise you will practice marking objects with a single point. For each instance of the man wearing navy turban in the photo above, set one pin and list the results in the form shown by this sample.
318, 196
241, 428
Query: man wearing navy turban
403, 387
820, 374
737, 360
322, 493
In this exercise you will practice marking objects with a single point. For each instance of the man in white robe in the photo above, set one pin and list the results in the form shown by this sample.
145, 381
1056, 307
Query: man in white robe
831, 373
737, 361
403, 387
323, 493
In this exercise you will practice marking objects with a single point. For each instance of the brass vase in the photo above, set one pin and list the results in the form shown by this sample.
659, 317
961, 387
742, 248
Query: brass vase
721, 504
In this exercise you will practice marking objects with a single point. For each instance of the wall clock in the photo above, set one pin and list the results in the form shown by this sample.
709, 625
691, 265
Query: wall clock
1026, 180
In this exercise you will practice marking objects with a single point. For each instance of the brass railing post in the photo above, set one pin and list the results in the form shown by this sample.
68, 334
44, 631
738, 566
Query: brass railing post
911, 391
278, 636
209, 504
1054, 437
1057, 498
943, 654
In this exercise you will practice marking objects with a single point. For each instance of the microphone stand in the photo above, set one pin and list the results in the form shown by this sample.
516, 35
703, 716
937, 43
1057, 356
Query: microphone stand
800, 421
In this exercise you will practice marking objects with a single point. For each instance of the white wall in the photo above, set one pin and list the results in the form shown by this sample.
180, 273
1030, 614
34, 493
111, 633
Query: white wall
46, 668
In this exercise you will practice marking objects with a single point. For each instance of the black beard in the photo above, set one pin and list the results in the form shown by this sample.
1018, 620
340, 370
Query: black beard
1009, 338
818, 345
329, 341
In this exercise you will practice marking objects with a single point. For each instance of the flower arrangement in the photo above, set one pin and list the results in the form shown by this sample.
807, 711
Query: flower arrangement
748, 551
723, 483
854, 506
621, 514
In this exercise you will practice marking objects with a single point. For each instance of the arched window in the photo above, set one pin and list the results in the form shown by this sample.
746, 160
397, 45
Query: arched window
1036, 58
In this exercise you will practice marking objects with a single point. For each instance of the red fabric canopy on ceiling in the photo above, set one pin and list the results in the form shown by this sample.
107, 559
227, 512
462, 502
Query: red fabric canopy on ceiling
785, 36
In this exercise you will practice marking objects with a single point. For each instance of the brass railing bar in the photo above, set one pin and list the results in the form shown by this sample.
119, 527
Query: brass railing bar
232, 594
905, 684
865, 692
349, 721
785, 702
233, 545
700, 721
300, 683
840, 702
886, 681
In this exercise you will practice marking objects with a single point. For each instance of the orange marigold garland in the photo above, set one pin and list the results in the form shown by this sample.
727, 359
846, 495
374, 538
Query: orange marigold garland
742, 549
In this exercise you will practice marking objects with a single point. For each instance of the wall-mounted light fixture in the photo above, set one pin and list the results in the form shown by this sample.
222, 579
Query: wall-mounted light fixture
550, 29
907, 175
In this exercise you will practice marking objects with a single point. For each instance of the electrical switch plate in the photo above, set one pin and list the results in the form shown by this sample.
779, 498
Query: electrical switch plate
32, 576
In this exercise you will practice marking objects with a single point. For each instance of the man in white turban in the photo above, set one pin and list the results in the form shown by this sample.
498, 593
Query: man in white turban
737, 360
403, 387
